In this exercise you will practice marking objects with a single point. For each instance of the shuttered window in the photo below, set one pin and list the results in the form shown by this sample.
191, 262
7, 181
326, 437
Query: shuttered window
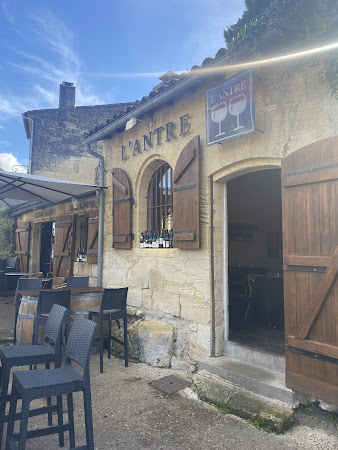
160, 199
122, 210
186, 197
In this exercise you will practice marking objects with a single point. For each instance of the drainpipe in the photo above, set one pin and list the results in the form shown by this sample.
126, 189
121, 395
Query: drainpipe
212, 269
101, 210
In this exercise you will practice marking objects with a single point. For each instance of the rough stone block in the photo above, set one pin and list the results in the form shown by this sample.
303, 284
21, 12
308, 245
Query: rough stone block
266, 414
167, 302
155, 342
147, 298
192, 308
135, 297
156, 280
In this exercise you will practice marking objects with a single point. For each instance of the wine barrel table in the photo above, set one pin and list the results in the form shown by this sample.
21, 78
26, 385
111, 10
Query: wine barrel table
27, 310
82, 299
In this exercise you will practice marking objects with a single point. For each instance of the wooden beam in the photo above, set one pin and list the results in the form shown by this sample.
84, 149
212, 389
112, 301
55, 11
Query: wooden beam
313, 346
309, 178
119, 185
317, 300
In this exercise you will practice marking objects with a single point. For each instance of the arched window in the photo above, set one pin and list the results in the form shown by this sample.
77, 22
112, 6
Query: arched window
160, 199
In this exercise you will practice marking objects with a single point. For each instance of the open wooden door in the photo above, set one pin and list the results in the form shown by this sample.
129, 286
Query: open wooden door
63, 246
22, 239
310, 239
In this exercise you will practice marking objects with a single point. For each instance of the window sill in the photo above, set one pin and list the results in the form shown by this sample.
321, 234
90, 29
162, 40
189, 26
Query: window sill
157, 252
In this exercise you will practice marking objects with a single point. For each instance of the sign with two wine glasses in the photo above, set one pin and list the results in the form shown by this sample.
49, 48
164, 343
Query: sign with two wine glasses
230, 108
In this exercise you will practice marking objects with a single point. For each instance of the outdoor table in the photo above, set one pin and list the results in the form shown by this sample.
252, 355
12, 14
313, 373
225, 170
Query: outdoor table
82, 299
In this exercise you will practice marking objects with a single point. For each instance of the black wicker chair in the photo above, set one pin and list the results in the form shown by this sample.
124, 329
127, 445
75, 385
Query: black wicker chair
12, 264
37, 384
24, 355
24, 284
47, 298
77, 282
113, 307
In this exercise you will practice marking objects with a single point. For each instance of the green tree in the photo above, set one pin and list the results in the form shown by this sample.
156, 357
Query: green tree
6, 234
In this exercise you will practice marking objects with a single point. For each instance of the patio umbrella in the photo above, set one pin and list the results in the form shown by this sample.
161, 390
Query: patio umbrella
17, 188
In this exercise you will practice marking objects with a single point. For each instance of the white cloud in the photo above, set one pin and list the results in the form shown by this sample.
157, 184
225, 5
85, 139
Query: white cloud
7, 161
63, 64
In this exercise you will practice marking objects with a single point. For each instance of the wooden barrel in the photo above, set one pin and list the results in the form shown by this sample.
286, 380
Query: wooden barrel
24, 326
82, 302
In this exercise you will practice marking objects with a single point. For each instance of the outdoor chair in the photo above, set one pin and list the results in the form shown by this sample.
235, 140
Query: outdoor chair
77, 282
24, 284
37, 384
12, 264
3, 265
24, 355
113, 307
47, 298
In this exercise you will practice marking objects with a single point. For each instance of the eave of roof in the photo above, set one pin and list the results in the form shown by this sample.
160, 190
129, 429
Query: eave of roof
171, 85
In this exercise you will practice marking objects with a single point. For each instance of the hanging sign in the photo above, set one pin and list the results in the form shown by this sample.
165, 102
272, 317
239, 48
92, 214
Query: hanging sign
230, 108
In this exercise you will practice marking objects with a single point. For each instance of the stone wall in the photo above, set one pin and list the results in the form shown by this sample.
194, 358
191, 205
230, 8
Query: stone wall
293, 108
57, 135
170, 289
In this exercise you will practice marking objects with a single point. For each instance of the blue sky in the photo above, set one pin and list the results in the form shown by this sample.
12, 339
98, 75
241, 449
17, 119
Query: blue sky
113, 50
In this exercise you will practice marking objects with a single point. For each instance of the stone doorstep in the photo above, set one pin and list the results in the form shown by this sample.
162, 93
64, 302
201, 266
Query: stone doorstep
270, 415
254, 356
253, 378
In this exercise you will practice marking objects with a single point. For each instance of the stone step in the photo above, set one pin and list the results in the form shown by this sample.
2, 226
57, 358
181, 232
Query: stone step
257, 380
255, 357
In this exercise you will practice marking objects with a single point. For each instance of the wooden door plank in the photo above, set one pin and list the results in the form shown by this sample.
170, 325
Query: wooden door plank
311, 260
313, 230
313, 346
119, 185
185, 164
309, 178
317, 301
308, 386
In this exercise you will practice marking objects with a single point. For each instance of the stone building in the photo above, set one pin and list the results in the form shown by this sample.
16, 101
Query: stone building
55, 151
212, 155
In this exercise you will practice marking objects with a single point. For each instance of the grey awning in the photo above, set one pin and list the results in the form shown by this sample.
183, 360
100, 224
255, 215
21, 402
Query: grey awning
17, 188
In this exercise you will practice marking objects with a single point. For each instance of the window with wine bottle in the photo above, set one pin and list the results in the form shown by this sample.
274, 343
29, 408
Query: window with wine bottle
160, 210
153, 239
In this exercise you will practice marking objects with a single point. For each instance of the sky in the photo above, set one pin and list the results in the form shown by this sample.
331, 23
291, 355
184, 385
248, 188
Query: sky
112, 50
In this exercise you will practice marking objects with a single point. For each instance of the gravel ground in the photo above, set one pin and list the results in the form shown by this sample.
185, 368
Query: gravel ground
128, 413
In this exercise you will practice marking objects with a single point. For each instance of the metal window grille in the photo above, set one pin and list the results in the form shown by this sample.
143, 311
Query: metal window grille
160, 199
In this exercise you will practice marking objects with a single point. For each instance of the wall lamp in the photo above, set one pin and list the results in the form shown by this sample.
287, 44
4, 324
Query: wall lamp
75, 203
133, 121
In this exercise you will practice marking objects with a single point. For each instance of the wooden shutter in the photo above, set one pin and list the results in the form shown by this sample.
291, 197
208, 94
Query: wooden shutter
310, 238
186, 197
63, 246
122, 210
22, 245
93, 233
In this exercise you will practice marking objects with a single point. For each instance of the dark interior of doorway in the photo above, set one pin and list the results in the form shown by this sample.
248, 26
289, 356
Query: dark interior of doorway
256, 303
46, 248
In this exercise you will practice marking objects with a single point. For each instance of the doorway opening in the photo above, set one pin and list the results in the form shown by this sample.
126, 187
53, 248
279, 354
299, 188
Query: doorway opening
256, 302
46, 248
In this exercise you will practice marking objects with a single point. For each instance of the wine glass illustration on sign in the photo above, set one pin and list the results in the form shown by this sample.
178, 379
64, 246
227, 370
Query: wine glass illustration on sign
236, 107
218, 114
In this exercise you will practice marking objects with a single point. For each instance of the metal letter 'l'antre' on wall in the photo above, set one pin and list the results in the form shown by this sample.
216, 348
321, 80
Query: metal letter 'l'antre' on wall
156, 137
